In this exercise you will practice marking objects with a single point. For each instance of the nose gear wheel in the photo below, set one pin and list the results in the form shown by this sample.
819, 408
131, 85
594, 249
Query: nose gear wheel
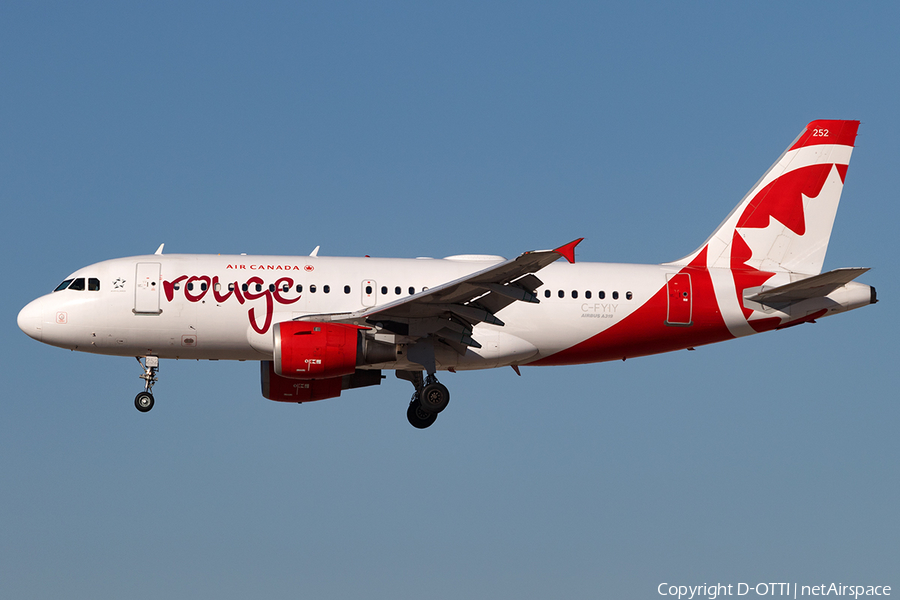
143, 401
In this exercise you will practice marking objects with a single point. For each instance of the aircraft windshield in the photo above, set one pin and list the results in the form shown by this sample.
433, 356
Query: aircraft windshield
93, 284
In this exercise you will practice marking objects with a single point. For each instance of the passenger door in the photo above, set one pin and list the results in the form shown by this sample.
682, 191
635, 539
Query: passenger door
679, 299
146, 289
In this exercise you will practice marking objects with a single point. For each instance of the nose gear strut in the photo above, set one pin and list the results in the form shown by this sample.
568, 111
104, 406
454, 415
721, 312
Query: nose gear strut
144, 400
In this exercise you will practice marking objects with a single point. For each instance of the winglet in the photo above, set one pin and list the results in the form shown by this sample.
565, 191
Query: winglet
159, 250
568, 251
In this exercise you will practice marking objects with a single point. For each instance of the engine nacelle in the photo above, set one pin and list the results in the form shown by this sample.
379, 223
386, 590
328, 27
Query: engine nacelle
311, 350
282, 389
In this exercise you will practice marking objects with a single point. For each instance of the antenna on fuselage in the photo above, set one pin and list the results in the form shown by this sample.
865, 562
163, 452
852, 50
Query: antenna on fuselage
159, 250
315, 252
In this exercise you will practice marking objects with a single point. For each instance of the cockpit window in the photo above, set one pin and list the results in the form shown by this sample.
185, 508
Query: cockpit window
93, 284
77, 284
63, 285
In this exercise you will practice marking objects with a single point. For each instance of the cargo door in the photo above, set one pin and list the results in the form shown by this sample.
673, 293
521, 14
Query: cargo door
146, 289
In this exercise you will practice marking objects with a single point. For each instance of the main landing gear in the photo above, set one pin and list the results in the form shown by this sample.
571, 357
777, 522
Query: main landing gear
429, 398
144, 400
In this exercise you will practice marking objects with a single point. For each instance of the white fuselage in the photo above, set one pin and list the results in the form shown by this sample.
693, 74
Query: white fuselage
224, 307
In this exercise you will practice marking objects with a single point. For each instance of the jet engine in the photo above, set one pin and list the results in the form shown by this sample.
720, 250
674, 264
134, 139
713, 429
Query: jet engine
314, 350
311, 350
282, 389
315, 361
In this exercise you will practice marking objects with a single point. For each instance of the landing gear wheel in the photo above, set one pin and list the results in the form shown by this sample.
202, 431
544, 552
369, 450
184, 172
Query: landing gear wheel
143, 401
419, 417
435, 397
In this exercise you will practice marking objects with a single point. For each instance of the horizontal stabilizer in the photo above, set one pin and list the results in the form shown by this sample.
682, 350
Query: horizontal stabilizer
817, 286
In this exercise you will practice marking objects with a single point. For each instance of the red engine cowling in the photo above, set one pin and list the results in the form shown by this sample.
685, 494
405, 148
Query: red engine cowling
310, 350
283, 389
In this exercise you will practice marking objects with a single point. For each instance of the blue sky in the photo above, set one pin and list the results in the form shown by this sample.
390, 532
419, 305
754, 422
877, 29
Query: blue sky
411, 129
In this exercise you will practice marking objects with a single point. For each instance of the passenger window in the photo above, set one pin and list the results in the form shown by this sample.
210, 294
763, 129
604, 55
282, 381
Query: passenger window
587, 294
574, 293
78, 284
177, 287
203, 286
93, 284
271, 287
258, 287
546, 293
397, 290
326, 288
601, 295
628, 296
285, 288
346, 289
231, 287
412, 290
190, 287
615, 295
243, 287
561, 294
299, 288
368, 290
384, 290
63, 285
217, 287
312, 289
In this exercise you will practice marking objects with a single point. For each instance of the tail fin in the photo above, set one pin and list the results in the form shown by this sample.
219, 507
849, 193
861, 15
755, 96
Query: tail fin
784, 222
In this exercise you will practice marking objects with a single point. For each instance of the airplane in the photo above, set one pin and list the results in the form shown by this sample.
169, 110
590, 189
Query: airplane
320, 325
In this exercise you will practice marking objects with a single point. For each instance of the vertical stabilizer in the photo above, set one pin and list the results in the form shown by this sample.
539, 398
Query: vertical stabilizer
784, 222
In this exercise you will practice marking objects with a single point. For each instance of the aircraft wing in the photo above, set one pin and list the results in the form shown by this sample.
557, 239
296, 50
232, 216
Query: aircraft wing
817, 286
450, 310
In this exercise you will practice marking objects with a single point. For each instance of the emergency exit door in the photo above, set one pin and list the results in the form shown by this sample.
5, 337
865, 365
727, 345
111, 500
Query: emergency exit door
369, 293
679, 299
146, 289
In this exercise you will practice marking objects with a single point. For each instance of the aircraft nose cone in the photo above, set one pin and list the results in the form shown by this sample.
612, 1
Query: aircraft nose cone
30, 319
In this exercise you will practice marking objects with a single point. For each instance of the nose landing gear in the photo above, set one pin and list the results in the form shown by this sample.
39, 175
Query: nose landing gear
144, 400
